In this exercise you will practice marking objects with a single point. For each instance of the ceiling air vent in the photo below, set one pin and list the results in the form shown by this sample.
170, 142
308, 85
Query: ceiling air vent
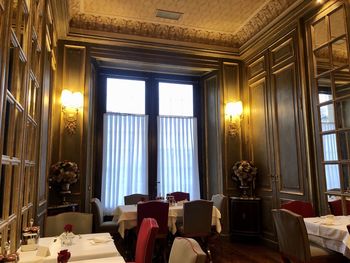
168, 14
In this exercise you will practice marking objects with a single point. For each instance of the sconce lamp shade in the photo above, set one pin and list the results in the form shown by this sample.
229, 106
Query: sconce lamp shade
71, 100
234, 109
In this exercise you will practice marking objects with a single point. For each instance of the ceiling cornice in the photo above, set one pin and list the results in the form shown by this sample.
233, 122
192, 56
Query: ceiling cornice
121, 40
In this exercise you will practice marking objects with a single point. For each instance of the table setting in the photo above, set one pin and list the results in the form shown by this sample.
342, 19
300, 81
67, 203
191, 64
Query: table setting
330, 231
126, 216
80, 247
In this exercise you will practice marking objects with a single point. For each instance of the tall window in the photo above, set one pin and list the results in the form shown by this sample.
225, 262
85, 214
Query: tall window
125, 142
149, 139
177, 140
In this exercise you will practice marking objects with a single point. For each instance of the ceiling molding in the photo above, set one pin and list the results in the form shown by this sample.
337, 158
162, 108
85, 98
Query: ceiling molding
284, 23
212, 29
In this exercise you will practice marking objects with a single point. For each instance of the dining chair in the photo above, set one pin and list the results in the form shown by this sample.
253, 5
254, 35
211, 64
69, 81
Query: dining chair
197, 218
99, 224
186, 250
220, 201
180, 196
145, 240
158, 210
302, 208
133, 199
81, 222
336, 207
294, 245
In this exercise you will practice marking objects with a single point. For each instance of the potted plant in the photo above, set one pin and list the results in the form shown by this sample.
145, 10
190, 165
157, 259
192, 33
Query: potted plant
244, 172
64, 173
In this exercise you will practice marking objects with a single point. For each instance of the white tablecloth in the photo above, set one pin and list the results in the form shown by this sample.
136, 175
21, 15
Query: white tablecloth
118, 259
83, 248
333, 236
126, 216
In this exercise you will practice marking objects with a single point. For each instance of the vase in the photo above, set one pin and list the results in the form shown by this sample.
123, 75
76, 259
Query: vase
65, 187
245, 191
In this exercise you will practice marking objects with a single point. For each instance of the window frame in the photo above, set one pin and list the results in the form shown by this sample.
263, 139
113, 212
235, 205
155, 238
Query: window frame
151, 79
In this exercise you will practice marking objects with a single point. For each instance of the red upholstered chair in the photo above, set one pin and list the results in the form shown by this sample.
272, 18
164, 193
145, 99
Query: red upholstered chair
158, 210
145, 240
302, 208
180, 196
336, 209
155, 209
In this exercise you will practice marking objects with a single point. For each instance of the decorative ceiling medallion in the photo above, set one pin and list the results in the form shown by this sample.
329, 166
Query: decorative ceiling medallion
259, 19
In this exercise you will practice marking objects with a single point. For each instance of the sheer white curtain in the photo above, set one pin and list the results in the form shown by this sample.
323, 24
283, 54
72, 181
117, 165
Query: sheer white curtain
125, 158
330, 153
178, 156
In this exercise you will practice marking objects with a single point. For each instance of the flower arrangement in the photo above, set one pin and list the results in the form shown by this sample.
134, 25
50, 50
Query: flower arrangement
245, 173
63, 256
68, 228
64, 172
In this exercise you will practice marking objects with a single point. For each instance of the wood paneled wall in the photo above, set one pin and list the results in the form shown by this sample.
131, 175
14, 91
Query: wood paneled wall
277, 134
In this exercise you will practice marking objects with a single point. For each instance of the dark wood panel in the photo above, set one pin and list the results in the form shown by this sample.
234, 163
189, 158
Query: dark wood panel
282, 52
290, 178
259, 130
212, 142
256, 67
267, 225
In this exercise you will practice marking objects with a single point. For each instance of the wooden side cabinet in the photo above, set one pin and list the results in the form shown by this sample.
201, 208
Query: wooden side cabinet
245, 217
58, 209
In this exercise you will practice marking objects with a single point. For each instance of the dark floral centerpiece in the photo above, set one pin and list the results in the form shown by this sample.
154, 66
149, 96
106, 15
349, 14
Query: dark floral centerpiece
244, 172
64, 173
63, 256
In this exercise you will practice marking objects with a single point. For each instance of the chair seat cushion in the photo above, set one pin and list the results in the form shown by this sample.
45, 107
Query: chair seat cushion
317, 251
321, 254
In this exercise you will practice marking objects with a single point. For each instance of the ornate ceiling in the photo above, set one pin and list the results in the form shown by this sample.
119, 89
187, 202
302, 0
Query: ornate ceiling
226, 23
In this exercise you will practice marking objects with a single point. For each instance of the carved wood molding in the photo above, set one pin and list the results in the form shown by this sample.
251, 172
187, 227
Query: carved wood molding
81, 19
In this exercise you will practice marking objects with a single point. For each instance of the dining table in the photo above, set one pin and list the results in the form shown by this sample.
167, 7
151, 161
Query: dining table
126, 216
98, 247
330, 232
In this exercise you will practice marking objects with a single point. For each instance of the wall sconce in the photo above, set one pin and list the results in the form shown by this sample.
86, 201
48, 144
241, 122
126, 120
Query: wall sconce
71, 103
233, 111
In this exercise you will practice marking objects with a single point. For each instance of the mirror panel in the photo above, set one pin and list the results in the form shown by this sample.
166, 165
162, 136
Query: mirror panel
324, 85
322, 59
327, 117
332, 177
337, 26
339, 53
320, 33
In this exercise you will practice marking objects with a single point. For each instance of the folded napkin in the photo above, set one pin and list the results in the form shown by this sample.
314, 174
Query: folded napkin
97, 240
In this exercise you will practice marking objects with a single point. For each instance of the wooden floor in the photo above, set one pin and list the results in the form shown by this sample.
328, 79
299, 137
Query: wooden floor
225, 251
